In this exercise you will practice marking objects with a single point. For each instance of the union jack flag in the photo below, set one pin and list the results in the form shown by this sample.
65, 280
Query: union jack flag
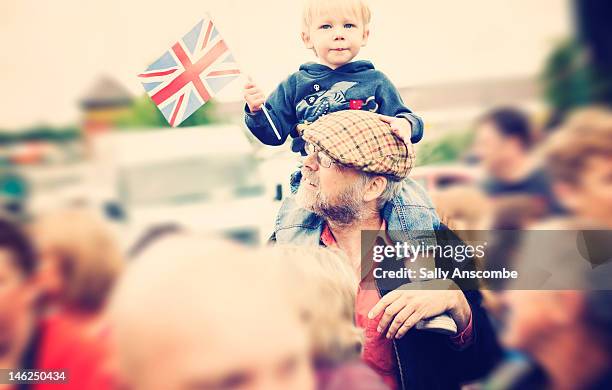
189, 74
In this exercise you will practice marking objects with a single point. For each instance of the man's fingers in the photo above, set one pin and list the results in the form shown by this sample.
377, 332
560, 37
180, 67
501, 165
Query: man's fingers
385, 118
389, 314
252, 90
382, 303
399, 320
408, 324
257, 96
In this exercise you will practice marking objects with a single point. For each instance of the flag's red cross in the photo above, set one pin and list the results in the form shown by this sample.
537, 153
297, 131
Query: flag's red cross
191, 73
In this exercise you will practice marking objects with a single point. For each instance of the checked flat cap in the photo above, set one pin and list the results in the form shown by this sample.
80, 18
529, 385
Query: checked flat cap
361, 140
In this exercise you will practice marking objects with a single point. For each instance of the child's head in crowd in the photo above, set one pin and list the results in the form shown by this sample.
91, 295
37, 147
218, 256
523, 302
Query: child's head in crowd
324, 287
190, 312
335, 30
80, 259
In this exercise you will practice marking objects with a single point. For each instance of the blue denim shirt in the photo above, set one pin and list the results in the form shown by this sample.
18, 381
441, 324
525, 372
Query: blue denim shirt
411, 214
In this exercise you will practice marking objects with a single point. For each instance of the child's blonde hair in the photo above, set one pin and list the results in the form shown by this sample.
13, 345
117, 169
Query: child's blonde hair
313, 8
324, 287
90, 259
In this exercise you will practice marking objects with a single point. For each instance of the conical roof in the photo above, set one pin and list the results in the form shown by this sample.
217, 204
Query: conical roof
106, 92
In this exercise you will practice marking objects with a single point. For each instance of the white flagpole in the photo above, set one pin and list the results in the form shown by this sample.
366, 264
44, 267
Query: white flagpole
267, 114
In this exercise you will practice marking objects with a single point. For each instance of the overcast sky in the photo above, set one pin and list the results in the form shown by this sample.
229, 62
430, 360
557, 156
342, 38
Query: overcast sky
53, 50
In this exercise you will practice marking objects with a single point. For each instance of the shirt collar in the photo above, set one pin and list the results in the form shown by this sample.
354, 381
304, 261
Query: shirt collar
328, 239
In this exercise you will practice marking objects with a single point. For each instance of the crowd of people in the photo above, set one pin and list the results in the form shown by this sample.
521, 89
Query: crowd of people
179, 310
189, 311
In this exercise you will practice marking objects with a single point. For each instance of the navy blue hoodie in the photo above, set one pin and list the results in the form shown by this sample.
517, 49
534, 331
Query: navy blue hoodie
316, 90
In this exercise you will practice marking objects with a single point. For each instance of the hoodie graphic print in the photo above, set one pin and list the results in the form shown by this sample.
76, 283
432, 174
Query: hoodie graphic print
316, 90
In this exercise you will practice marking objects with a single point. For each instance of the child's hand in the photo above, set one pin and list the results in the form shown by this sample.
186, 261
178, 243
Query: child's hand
253, 96
400, 127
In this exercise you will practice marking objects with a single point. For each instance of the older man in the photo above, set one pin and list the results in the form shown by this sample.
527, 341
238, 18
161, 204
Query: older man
353, 181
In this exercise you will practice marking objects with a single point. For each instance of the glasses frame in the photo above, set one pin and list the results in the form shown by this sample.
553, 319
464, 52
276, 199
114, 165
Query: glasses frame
322, 158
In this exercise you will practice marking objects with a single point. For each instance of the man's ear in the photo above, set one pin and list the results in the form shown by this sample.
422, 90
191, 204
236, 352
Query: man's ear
366, 36
306, 40
375, 188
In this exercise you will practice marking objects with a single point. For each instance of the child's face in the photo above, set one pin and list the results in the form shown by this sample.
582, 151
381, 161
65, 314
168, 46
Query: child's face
336, 39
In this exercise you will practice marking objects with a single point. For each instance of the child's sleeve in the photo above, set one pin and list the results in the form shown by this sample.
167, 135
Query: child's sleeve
391, 104
281, 107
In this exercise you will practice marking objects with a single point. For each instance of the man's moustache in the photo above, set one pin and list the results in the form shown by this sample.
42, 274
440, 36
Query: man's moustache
310, 178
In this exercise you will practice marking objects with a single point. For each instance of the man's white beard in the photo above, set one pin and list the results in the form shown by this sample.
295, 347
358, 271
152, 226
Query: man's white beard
343, 210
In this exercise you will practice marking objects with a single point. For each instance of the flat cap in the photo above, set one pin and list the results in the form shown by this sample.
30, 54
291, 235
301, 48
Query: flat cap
361, 140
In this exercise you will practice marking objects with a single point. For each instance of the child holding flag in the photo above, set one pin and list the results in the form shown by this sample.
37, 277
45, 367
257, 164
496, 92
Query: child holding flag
335, 30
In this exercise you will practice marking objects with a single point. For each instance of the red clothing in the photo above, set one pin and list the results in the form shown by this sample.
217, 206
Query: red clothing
378, 351
63, 345
354, 375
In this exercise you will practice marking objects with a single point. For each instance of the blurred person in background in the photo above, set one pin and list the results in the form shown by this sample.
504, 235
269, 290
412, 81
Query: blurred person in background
519, 187
462, 208
80, 261
579, 159
325, 286
27, 339
568, 334
191, 313
565, 334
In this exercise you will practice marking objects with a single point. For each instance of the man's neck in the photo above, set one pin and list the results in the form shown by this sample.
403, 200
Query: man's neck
348, 237
514, 170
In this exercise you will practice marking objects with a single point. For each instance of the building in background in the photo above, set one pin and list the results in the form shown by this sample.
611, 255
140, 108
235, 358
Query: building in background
104, 103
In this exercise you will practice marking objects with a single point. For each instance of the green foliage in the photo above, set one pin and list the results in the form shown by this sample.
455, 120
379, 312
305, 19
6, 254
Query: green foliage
447, 148
203, 116
567, 78
570, 80
145, 114
40, 133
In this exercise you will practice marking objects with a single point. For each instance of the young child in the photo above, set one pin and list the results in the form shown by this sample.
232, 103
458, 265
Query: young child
335, 30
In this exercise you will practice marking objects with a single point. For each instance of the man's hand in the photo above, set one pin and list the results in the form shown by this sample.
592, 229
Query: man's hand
253, 96
401, 127
406, 306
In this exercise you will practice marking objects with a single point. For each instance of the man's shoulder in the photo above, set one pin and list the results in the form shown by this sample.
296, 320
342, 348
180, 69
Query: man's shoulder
411, 210
296, 225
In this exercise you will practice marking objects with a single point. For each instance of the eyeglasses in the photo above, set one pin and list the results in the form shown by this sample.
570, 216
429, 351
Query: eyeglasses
322, 159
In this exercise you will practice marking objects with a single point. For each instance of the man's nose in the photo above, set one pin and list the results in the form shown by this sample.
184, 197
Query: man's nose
310, 162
